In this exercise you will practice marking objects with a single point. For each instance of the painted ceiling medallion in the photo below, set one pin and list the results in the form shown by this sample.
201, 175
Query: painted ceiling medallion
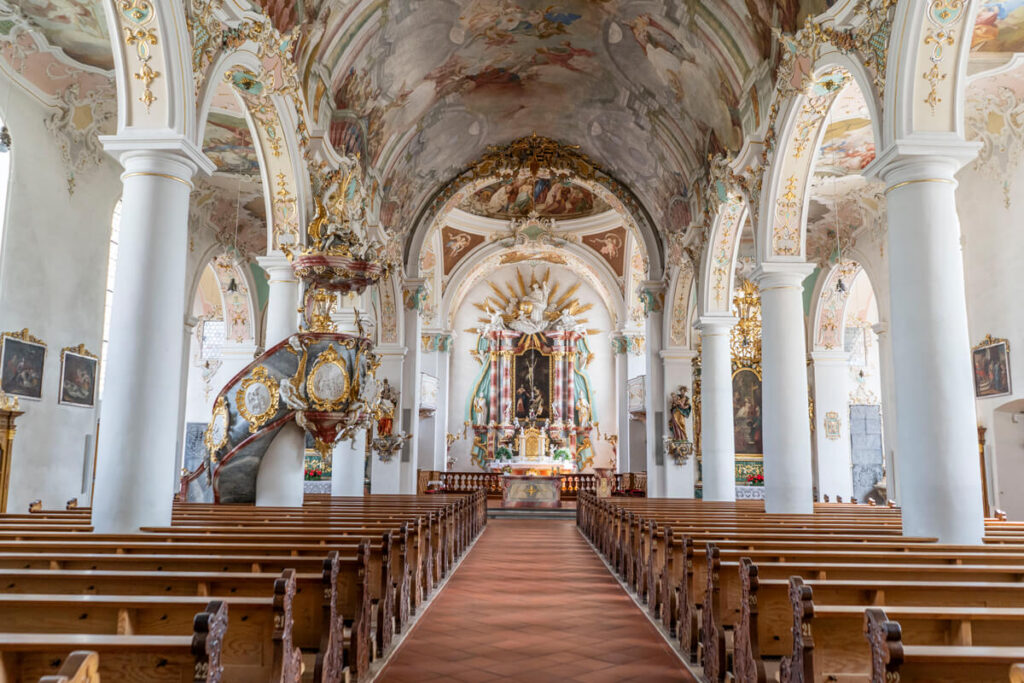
216, 435
257, 398
328, 384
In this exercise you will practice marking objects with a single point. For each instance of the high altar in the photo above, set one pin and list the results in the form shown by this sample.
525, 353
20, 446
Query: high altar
531, 408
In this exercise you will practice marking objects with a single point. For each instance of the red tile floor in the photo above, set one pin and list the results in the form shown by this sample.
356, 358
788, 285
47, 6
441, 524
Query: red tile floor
533, 602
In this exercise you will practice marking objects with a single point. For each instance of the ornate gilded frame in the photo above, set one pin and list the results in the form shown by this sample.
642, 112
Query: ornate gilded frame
213, 444
22, 337
325, 403
990, 342
81, 352
259, 376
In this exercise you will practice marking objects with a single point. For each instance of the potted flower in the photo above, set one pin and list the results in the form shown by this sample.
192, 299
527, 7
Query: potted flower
561, 455
755, 480
503, 453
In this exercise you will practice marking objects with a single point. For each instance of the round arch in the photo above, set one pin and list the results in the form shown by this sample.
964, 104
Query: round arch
718, 267
617, 195
781, 233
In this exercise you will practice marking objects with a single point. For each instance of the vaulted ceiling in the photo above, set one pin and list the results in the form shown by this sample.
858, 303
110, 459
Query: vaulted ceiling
647, 89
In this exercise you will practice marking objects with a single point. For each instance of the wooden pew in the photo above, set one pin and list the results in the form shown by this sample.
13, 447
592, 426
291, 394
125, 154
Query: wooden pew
258, 647
192, 658
81, 666
836, 544
892, 659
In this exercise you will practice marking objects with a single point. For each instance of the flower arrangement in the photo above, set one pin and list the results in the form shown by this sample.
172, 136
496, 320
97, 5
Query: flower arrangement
561, 454
314, 473
755, 480
503, 453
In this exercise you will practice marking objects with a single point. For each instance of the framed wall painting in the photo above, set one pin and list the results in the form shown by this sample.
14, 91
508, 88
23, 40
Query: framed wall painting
78, 374
991, 364
21, 364
746, 407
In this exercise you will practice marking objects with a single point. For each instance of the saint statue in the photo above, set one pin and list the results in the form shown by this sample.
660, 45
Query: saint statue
583, 411
293, 389
480, 410
386, 409
680, 408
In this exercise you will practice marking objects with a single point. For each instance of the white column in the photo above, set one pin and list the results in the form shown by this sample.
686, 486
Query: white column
282, 300
137, 462
280, 479
888, 399
678, 371
831, 395
619, 348
655, 394
440, 362
789, 486
385, 477
410, 397
936, 431
348, 464
717, 437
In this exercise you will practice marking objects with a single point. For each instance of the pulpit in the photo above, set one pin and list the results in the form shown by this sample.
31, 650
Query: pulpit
531, 492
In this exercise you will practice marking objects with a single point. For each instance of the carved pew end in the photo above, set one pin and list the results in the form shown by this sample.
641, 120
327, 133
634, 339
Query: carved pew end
81, 666
36, 505
71, 504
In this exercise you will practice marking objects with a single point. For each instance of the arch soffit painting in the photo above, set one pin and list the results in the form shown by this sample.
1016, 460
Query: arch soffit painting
830, 306
718, 266
680, 296
278, 140
591, 270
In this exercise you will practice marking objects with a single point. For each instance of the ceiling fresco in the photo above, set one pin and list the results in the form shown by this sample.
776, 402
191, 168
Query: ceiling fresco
848, 144
999, 26
611, 245
547, 197
231, 211
646, 88
455, 244
228, 142
78, 27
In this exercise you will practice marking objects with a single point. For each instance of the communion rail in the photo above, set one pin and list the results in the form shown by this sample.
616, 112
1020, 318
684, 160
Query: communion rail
626, 483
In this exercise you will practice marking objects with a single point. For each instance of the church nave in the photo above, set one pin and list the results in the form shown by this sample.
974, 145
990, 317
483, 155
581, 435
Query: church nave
531, 601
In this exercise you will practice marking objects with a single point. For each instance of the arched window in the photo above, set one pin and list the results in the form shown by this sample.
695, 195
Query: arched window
115, 234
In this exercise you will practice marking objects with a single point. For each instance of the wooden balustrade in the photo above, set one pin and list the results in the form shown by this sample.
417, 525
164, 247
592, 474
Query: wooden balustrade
572, 484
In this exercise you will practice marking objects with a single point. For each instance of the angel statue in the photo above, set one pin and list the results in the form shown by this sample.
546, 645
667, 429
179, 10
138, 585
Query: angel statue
680, 408
293, 389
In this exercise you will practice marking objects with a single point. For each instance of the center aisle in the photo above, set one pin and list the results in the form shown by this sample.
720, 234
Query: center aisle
533, 602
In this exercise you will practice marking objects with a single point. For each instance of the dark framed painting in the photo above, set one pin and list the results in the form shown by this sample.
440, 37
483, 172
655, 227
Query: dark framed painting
21, 365
78, 373
531, 385
991, 363
746, 411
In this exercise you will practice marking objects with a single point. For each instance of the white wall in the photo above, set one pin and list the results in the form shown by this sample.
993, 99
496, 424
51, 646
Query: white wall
464, 370
993, 253
1007, 439
52, 279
